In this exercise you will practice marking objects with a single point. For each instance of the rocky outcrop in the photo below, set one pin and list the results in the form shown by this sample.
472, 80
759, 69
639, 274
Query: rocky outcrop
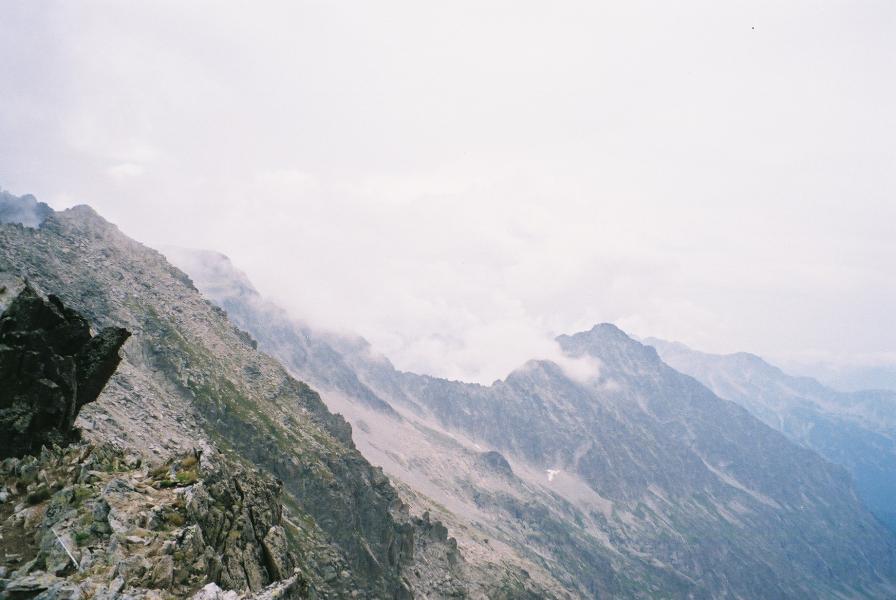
240, 518
495, 462
50, 367
95, 521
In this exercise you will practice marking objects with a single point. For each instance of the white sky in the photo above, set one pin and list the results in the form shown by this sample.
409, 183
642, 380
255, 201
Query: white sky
460, 181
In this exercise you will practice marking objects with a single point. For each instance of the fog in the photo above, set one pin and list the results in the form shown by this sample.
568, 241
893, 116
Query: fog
460, 182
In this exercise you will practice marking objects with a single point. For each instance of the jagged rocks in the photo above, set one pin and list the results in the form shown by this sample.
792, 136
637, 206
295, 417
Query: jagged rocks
110, 526
291, 588
50, 367
240, 519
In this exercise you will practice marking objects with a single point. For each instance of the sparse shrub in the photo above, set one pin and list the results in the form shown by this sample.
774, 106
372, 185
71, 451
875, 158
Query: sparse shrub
187, 477
39, 495
160, 472
189, 461
174, 518
80, 493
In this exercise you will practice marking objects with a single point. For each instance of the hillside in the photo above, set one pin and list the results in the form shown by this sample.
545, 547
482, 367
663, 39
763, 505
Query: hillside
854, 429
190, 380
637, 483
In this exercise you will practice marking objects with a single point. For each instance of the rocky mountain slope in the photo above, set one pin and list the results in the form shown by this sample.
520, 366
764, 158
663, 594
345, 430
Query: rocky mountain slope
383, 433
190, 380
94, 521
638, 482
856, 429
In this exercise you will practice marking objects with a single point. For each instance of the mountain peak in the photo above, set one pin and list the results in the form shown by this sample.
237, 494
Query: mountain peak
609, 344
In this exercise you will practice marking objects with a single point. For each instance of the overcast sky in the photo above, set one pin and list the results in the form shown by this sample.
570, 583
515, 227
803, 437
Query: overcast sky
460, 181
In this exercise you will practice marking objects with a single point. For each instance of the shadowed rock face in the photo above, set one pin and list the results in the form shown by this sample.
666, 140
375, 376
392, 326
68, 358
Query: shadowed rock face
50, 367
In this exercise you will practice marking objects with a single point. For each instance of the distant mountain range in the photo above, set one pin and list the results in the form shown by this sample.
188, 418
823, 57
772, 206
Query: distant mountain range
848, 378
854, 429
637, 482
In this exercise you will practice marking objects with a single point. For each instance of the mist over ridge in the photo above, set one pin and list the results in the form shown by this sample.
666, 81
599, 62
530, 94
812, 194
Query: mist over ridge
476, 300
715, 174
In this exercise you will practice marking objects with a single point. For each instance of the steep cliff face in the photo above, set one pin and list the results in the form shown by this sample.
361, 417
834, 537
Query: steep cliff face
856, 430
638, 482
189, 379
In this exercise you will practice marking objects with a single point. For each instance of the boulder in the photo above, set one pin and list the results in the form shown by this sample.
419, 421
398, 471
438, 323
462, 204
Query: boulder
50, 367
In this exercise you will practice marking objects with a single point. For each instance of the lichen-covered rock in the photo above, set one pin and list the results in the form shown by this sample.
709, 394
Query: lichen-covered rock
50, 367
276, 552
240, 519
108, 526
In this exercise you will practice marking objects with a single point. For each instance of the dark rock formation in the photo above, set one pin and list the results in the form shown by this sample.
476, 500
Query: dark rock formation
495, 461
50, 366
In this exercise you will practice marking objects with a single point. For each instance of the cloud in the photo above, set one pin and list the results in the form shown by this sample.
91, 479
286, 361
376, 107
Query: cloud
124, 170
459, 183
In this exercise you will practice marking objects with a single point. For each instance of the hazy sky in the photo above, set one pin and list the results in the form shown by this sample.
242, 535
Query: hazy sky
460, 181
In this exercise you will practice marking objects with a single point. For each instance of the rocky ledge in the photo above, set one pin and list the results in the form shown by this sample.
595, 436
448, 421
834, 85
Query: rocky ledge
94, 522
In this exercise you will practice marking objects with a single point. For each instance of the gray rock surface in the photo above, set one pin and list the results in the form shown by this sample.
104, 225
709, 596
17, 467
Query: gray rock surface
111, 525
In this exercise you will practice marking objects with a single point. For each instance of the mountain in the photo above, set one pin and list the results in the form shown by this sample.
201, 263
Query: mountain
190, 381
857, 379
638, 482
854, 429
848, 378
206, 462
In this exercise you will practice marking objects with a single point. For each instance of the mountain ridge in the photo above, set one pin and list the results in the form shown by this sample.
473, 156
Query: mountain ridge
477, 419
637, 483
853, 429
190, 373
